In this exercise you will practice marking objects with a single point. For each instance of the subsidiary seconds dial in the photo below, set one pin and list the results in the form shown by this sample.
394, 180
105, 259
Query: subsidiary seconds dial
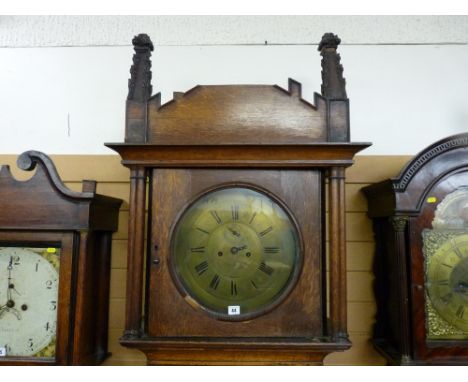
235, 253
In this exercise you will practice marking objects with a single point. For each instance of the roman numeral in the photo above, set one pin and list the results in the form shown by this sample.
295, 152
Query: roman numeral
266, 231
202, 230
201, 268
233, 288
265, 269
446, 298
216, 217
460, 311
235, 212
215, 282
253, 284
457, 250
446, 265
442, 282
197, 250
271, 249
252, 218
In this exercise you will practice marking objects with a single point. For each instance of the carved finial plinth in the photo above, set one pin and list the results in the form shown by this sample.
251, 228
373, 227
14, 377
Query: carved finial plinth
333, 83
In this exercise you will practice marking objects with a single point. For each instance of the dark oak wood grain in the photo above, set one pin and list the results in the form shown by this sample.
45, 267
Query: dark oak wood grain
338, 317
166, 305
236, 114
42, 210
135, 260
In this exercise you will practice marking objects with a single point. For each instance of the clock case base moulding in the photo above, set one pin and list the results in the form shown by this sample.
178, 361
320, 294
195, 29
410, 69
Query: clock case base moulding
235, 351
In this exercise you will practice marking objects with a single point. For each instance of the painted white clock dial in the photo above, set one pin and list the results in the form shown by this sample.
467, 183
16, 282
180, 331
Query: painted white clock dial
28, 301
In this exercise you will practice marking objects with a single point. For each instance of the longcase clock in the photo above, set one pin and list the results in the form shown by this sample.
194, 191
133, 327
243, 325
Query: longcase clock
233, 268
421, 228
55, 247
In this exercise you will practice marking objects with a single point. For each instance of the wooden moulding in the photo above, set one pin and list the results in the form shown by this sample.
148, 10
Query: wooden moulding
405, 193
261, 156
60, 207
235, 351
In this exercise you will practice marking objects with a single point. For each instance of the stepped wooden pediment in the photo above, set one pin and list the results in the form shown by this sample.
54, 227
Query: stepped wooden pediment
236, 114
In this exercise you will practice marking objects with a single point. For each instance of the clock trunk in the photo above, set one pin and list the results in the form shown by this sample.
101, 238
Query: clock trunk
172, 190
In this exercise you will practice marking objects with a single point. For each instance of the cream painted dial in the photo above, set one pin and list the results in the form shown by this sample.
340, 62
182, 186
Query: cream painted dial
28, 300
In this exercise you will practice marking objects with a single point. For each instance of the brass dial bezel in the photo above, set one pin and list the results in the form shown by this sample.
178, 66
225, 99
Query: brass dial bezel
282, 294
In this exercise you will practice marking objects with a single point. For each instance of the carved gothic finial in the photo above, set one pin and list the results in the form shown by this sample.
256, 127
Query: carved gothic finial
329, 40
139, 84
142, 41
333, 83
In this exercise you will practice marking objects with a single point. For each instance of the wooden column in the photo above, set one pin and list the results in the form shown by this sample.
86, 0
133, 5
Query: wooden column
337, 225
399, 224
81, 327
135, 252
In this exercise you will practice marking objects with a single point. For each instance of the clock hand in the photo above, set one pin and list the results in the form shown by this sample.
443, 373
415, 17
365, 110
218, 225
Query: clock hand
13, 287
234, 232
15, 312
4, 308
234, 250
10, 267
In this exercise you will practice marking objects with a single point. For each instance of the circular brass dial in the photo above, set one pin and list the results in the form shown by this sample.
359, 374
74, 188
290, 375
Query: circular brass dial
235, 253
447, 281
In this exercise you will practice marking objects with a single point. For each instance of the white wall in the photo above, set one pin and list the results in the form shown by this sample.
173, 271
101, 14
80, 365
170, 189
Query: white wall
63, 88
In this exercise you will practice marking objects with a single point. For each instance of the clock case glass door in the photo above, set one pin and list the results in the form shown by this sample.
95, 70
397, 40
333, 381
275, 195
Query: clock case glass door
52, 252
171, 312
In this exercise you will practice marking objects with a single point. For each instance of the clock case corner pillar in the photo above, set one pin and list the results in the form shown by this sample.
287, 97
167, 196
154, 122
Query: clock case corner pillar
136, 252
92, 254
337, 329
392, 289
400, 227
